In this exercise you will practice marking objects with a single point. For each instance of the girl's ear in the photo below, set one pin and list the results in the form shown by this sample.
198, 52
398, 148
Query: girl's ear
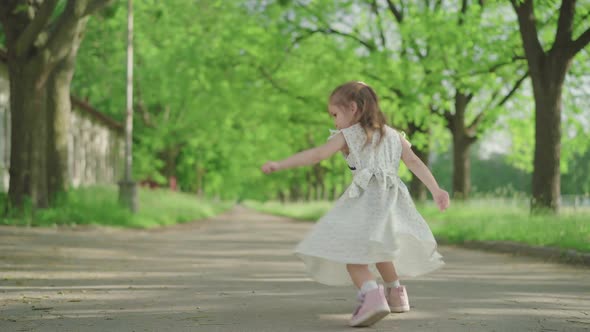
353, 108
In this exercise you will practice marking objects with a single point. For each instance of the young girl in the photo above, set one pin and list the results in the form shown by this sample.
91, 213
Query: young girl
375, 220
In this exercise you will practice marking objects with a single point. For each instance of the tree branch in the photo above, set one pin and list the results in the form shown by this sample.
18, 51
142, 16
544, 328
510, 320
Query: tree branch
301, 37
563, 33
475, 123
97, 5
528, 30
373, 76
450, 119
375, 9
70, 25
60, 43
434, 110
514, 89
501, 64
438, 5
493, 68
462, 12
6, 7
581, 42
272, 81
140, 106
393, 89
471, 129
31, 32
369, 45
397, 13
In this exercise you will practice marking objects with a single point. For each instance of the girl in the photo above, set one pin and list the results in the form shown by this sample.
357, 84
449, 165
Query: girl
375, 220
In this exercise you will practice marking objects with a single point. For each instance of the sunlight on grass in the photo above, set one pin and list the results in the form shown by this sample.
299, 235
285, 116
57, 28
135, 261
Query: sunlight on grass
493, 221
310, 211
98, 205
569, 230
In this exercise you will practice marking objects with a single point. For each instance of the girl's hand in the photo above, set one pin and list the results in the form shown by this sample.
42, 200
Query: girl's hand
270, 166
441, 198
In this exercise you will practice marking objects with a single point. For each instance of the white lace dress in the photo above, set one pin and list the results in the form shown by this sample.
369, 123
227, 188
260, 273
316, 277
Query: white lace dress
375, 220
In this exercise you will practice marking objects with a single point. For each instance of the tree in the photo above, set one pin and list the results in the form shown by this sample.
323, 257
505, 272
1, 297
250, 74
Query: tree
367, 40
42, 40
469, 71
548, 69
462, 67
206, 113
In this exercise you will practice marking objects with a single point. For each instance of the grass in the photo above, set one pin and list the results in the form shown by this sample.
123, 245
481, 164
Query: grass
487, 221
308, 211
463, 222
99, 206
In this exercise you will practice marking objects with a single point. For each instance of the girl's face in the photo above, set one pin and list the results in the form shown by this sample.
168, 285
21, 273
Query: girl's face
343, 117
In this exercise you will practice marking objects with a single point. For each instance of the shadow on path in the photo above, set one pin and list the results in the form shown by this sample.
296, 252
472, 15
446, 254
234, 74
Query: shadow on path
236, 272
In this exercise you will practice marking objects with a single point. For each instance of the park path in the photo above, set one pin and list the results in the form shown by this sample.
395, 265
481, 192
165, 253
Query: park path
236, 272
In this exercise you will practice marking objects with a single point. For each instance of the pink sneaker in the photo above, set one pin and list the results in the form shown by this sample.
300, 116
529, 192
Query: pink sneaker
397, 298
373, 308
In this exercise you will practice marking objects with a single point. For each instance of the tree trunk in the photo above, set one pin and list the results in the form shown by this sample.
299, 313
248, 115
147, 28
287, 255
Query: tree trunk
281, 196
59, 107
58, 128
28, 134
200, 188
37, 41
308, 185
547, 87
40, 188
461, 167
318, 172
169, 157
332, 192
418, 190
295, 192
20, 137
462, 141
548, 70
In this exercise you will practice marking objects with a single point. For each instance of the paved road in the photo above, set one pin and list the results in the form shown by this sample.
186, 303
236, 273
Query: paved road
236, 272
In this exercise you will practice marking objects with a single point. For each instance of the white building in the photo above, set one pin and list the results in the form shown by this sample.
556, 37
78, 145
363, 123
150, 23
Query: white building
96, 144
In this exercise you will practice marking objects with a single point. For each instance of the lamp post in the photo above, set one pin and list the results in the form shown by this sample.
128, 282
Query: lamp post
128, 187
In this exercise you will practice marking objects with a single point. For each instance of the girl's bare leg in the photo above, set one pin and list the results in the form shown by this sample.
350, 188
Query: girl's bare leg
359, 273
396, 294
387, 271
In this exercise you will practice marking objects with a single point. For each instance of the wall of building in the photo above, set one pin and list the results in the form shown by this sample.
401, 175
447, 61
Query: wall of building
96, 144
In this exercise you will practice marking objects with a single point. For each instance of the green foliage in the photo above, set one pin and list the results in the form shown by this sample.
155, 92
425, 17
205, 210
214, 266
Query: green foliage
222, 86
99, 206
577, 181
507, 180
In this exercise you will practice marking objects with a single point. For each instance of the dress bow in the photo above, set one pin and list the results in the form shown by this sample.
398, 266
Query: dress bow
360, 181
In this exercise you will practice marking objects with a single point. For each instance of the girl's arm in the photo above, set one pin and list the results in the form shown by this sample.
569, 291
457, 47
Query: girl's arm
308, 157
417, 167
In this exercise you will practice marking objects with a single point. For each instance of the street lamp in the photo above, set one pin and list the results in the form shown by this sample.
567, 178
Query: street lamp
128, 187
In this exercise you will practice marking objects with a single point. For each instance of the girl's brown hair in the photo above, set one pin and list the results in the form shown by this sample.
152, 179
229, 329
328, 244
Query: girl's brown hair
367, 102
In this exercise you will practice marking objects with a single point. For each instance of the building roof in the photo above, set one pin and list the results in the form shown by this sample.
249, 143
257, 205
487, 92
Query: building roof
82, 105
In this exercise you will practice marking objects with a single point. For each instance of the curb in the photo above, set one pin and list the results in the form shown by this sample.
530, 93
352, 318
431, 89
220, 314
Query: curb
565, 256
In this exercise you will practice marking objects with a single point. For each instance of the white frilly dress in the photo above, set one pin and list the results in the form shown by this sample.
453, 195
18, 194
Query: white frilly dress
374, 221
